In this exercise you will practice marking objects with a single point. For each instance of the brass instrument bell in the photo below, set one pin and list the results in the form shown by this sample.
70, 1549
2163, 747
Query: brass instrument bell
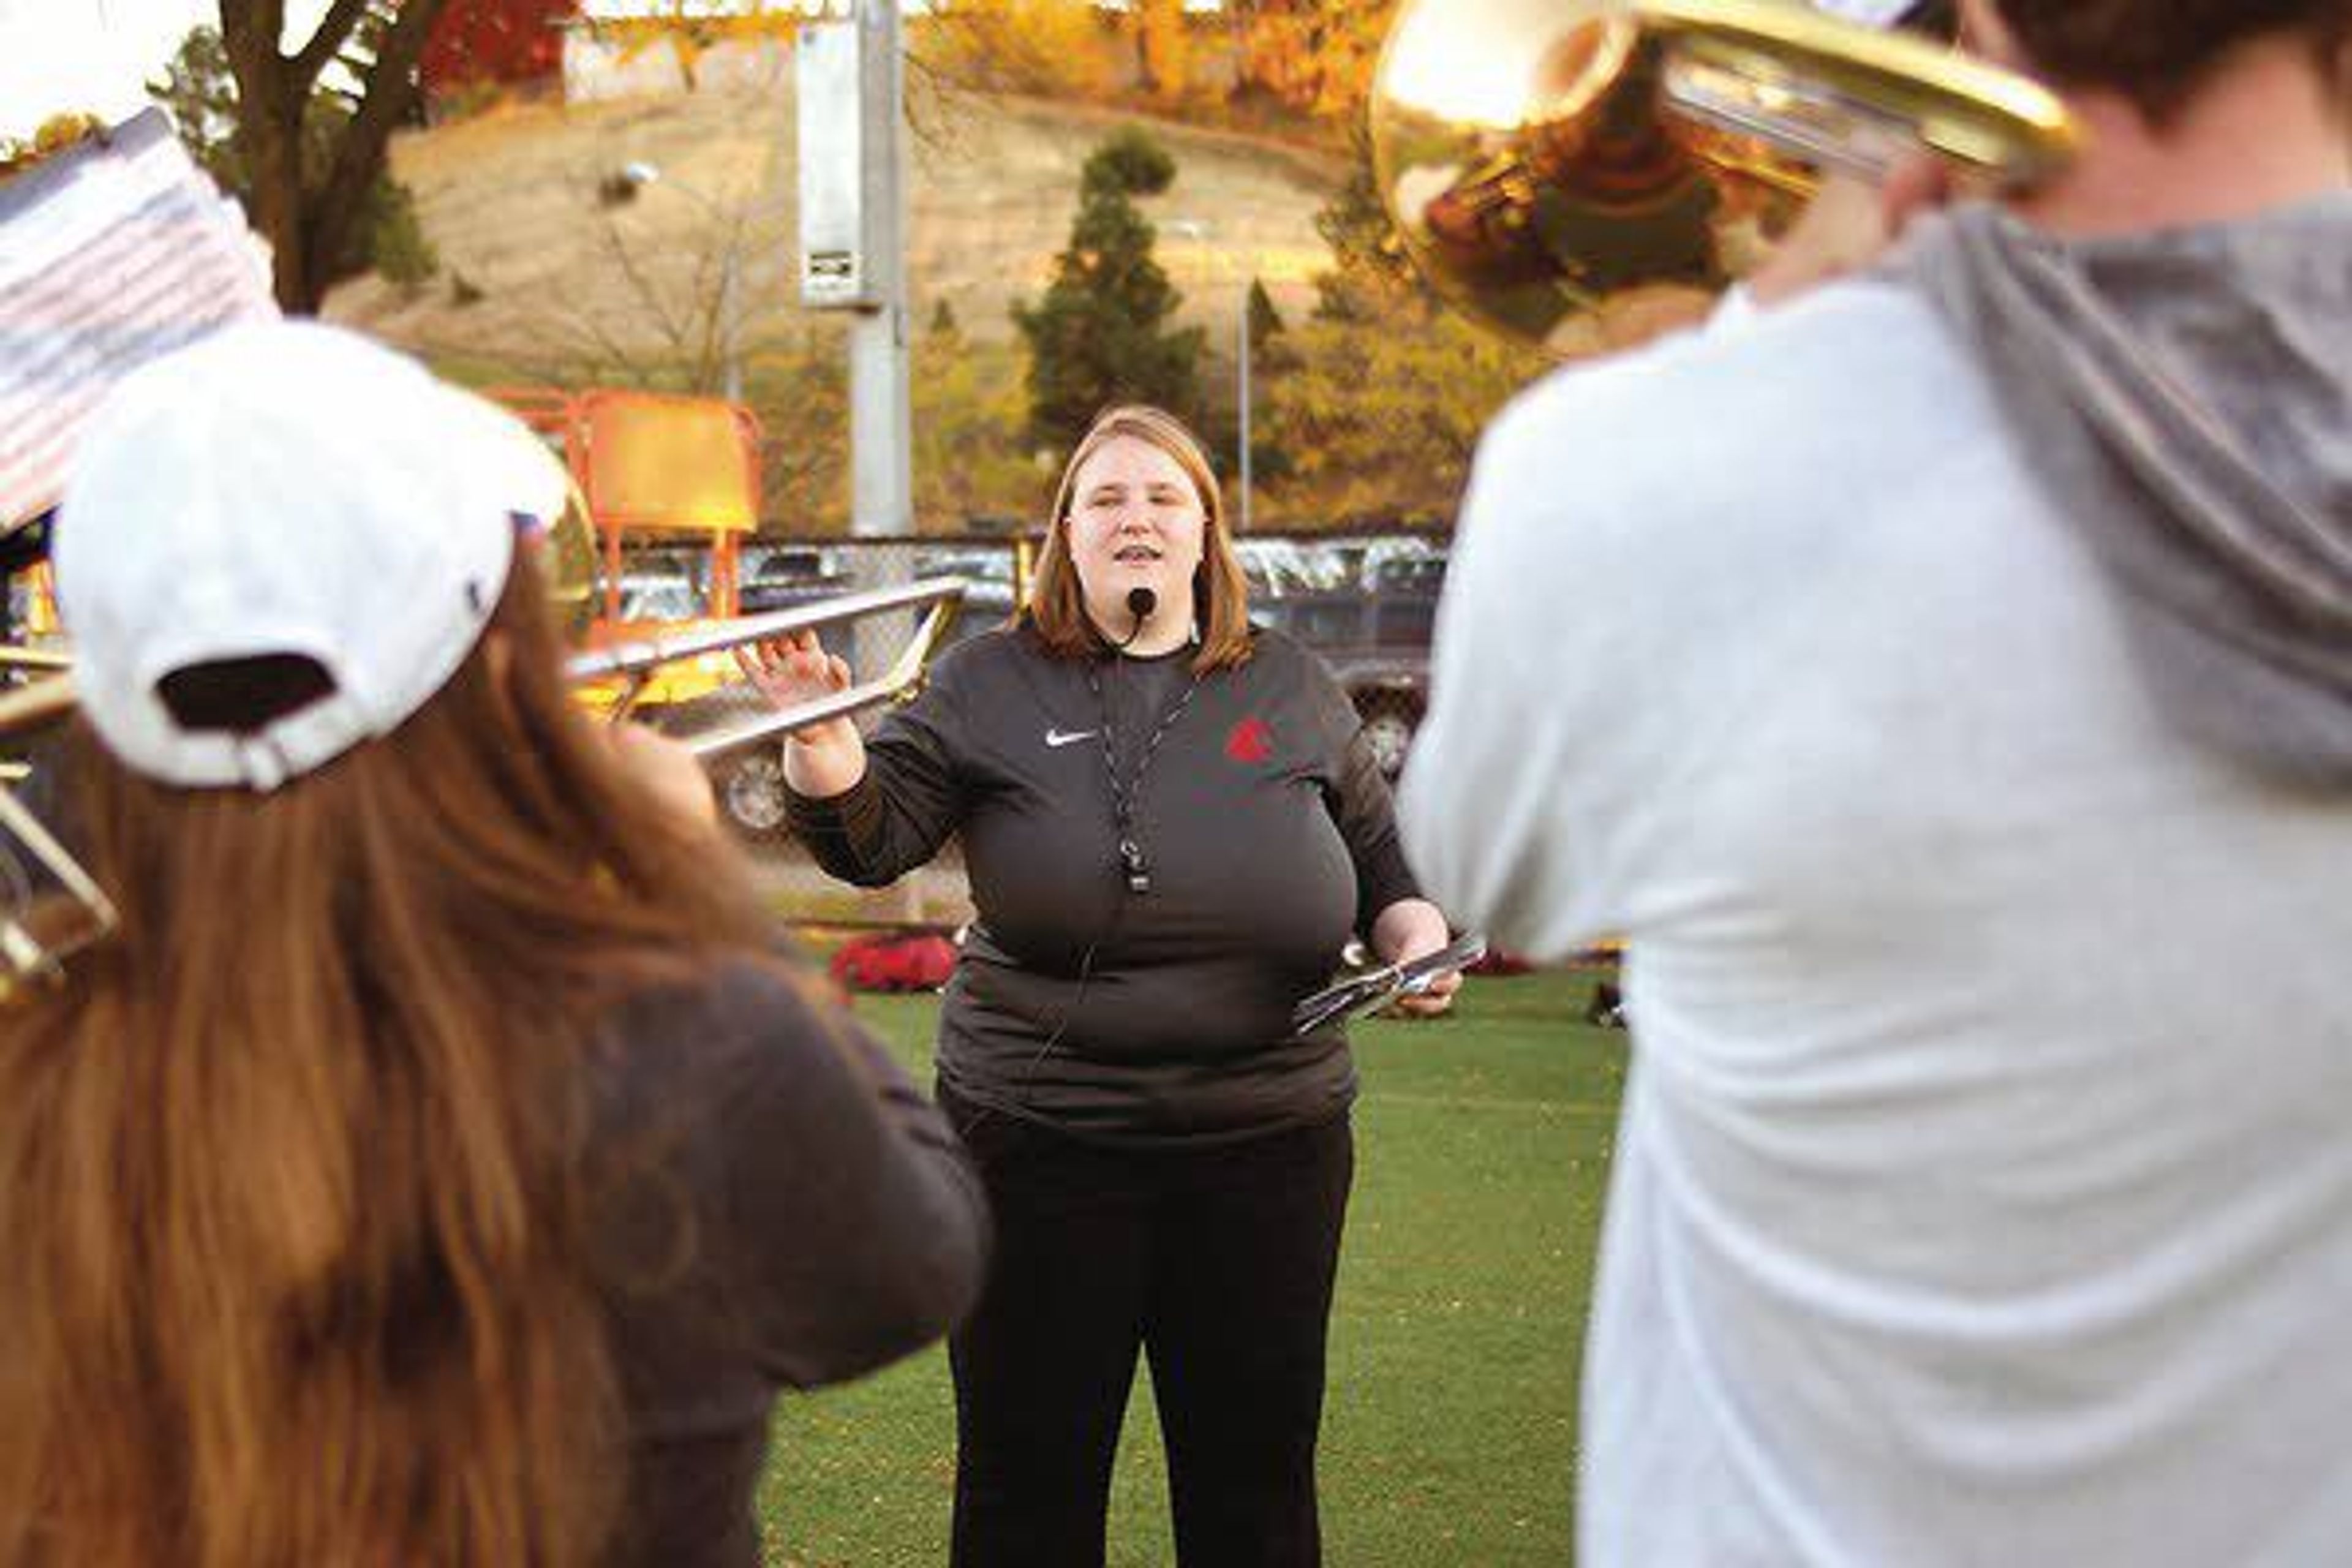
1585, 173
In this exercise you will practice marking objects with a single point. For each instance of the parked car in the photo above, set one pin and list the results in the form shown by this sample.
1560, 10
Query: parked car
776, 577
651, 596
1368, 604
788, 574
987, 574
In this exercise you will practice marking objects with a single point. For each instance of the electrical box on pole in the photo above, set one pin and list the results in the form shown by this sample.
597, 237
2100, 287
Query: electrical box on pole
852, 241
841, 87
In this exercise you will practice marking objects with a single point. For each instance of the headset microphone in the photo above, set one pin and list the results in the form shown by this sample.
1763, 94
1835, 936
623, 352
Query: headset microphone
1140, 603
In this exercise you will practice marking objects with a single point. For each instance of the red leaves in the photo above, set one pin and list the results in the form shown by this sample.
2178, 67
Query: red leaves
496, 41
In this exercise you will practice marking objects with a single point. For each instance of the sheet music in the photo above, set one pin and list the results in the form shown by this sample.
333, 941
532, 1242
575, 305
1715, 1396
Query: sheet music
109, 255
1376, 988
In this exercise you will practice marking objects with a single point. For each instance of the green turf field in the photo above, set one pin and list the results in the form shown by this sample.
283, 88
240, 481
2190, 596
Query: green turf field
1449, 1438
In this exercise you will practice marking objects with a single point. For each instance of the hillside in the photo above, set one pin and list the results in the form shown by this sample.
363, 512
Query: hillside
509, 201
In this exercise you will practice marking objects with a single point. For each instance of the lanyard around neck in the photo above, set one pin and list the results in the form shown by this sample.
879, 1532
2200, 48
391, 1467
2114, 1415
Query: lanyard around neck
1124, 794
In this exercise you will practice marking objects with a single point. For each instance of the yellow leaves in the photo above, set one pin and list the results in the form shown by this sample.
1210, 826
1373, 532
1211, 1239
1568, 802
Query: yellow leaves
1048, 46
57, 134
1315, 55
1383, 416
1165, 47
693, 32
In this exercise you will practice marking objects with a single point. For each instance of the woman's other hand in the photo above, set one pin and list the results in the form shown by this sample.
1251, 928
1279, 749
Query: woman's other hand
1411, 929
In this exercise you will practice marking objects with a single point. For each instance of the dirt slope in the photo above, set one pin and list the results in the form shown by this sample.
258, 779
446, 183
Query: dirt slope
509, 201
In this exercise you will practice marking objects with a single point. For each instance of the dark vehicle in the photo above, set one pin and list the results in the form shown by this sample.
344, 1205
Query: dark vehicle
1368, 604
788, 574
987, 572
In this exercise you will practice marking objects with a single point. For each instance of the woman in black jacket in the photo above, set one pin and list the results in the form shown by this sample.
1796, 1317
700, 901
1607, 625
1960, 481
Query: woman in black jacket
1172, 829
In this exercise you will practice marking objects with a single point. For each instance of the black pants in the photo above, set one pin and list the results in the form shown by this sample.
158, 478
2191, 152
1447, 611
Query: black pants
1218, 1262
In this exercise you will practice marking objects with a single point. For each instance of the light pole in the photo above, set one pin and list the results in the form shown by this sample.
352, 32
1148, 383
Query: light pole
1242, 334
633, 176
849, 75
1197, 231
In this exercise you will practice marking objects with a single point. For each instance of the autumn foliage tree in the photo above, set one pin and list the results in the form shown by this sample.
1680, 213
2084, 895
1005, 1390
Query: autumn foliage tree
496, 41
1378, 422
968, 424
1052, 48
1313, 56
1163, 48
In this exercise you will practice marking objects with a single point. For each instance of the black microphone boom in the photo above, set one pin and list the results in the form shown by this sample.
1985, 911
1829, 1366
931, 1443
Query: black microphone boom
1140, 603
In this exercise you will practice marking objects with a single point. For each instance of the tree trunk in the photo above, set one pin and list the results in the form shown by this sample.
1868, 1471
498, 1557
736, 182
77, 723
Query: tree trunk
310, 218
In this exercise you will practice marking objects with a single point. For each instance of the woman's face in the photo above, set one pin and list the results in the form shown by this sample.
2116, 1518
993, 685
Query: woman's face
1136, 522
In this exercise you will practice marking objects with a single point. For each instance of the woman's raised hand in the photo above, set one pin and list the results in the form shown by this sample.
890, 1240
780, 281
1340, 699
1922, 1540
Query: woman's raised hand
792, 668
819, 759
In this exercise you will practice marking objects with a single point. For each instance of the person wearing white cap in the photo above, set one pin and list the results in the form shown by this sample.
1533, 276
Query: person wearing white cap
439, 1163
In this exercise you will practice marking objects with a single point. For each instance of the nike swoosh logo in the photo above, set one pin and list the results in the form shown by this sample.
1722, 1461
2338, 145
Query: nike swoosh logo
1067, 737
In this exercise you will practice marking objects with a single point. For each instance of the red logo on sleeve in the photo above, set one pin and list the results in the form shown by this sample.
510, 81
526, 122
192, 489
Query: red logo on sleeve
1250, 742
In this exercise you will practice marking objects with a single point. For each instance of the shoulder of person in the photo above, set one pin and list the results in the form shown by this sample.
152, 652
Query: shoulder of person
1275, 650
1620, 434
1277, 658
740, 1016
965, 675
976, 656
1282, 669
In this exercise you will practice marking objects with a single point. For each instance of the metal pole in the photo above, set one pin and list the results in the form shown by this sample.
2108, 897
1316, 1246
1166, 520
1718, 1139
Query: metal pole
881, 432
880, 429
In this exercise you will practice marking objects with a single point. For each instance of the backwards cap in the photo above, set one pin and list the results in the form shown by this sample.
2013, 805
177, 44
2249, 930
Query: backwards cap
286, 489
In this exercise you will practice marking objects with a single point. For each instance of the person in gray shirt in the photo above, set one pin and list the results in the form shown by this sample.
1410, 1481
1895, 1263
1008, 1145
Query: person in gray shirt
1172, 828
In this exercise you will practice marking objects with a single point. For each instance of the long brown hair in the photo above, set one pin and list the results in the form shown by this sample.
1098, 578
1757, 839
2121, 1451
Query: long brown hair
1057, 607
293, 1171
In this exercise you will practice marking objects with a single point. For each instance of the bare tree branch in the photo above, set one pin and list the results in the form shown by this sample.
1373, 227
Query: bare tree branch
672, 327
333, 29
359, 153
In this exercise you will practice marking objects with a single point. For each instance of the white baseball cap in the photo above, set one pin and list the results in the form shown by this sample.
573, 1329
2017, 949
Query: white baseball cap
286, 488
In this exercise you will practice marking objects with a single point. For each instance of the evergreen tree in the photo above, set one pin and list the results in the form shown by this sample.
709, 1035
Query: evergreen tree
1271, 358
1265, 323
1096, 337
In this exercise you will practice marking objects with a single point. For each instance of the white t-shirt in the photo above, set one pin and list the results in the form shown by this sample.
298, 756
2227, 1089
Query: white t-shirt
1984, 1183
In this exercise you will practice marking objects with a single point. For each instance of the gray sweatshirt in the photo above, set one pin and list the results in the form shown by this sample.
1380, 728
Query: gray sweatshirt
2187, 396
779, 1208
